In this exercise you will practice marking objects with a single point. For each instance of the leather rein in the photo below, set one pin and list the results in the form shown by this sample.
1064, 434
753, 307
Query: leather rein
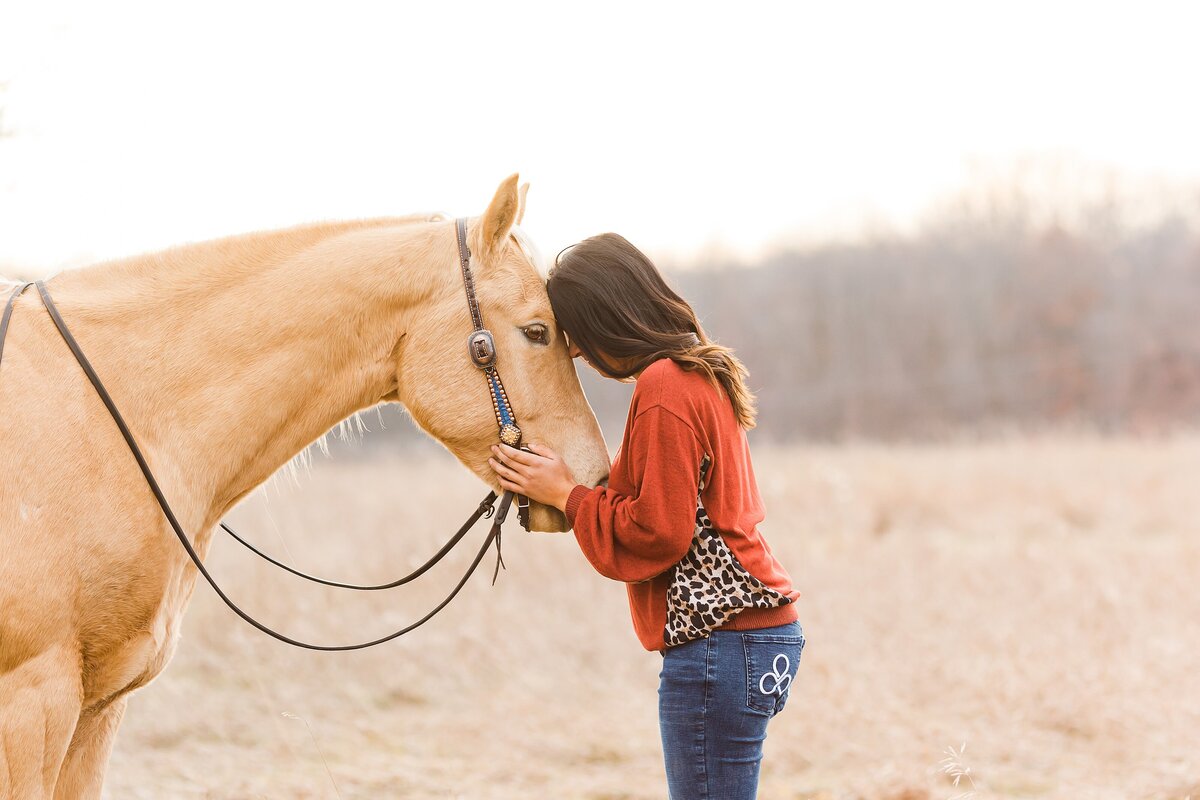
481, 347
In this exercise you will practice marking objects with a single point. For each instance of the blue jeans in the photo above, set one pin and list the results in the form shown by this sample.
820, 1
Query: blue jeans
715, 698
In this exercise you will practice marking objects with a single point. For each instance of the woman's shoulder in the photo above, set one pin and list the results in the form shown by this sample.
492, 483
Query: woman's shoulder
664, 382
658, 380
664, 371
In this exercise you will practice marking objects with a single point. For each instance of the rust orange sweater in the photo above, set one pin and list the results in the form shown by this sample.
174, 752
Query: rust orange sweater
637, 528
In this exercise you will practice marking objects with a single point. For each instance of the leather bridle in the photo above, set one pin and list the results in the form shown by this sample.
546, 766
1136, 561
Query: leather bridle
482, 349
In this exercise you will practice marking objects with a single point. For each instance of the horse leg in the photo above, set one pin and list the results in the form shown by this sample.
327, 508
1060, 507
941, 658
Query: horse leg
82, 773
39, 706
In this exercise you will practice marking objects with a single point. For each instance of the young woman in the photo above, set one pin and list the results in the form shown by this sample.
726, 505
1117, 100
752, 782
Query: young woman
721, 615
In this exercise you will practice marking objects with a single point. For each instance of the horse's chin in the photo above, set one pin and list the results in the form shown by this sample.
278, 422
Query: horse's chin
546, 519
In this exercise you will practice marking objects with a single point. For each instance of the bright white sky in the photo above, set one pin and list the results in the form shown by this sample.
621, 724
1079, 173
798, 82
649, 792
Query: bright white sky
683, 126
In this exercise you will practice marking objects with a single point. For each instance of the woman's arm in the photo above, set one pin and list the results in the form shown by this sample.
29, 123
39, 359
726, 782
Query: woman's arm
633, 538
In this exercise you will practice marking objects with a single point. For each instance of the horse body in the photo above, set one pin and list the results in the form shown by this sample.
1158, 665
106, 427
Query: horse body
227, 358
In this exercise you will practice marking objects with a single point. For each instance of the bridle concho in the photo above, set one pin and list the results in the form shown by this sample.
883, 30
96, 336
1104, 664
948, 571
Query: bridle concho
482, 349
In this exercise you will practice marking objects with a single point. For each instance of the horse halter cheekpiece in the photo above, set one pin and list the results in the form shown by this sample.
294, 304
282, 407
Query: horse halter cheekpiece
482, 349
481, 346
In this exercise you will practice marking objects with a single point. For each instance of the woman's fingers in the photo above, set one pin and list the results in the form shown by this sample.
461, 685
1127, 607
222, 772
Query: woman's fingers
509, 453
503, 463
543, 451
509, 478
503, 469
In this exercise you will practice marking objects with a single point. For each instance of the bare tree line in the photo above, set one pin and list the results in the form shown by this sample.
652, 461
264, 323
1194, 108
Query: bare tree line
990, 318
1003, 311
967, 329
964, 327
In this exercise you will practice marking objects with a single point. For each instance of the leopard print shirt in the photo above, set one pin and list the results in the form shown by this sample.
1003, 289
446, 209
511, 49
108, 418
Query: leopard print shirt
709, 586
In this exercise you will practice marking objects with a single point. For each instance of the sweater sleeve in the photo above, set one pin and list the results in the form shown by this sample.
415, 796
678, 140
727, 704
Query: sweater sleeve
633, 538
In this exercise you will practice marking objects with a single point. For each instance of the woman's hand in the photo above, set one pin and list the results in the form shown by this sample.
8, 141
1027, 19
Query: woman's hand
542, 475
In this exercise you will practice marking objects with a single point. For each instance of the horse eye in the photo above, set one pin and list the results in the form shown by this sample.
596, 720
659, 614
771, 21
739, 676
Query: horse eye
535, 333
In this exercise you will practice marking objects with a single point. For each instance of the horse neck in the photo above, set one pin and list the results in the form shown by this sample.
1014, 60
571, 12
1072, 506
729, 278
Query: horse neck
230, 357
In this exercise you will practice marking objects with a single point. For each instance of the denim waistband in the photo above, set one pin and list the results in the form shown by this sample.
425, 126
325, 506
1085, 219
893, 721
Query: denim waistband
792, 628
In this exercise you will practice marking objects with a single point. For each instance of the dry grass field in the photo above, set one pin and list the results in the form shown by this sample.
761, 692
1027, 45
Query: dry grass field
1035, 599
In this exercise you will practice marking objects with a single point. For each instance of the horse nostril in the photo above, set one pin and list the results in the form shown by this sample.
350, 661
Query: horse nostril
603, 482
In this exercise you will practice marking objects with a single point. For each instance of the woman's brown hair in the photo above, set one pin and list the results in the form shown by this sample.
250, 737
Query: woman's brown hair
609, 297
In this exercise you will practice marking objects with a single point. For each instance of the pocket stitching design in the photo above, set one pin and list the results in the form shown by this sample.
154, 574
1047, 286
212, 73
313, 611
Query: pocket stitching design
782, 676
754, 702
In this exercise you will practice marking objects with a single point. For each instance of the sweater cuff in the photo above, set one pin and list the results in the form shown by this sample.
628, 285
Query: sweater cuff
573, 501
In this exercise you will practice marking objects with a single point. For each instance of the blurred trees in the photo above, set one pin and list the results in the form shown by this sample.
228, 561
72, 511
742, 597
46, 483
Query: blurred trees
989, 318
962, 328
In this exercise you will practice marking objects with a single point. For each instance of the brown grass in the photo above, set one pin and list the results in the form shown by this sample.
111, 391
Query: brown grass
1035, 600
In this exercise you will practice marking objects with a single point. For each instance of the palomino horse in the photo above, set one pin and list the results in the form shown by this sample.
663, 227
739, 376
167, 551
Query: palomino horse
227, 358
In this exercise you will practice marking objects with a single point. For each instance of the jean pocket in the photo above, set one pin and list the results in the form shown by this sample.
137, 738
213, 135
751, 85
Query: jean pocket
771, 662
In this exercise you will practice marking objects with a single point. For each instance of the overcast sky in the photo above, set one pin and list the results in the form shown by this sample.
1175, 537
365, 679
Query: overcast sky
683, 126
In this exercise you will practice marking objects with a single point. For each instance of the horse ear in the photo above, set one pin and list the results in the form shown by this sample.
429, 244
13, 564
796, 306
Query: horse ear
521, 193
500, 216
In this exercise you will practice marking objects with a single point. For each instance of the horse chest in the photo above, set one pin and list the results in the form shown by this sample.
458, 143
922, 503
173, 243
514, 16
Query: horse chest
128, 639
